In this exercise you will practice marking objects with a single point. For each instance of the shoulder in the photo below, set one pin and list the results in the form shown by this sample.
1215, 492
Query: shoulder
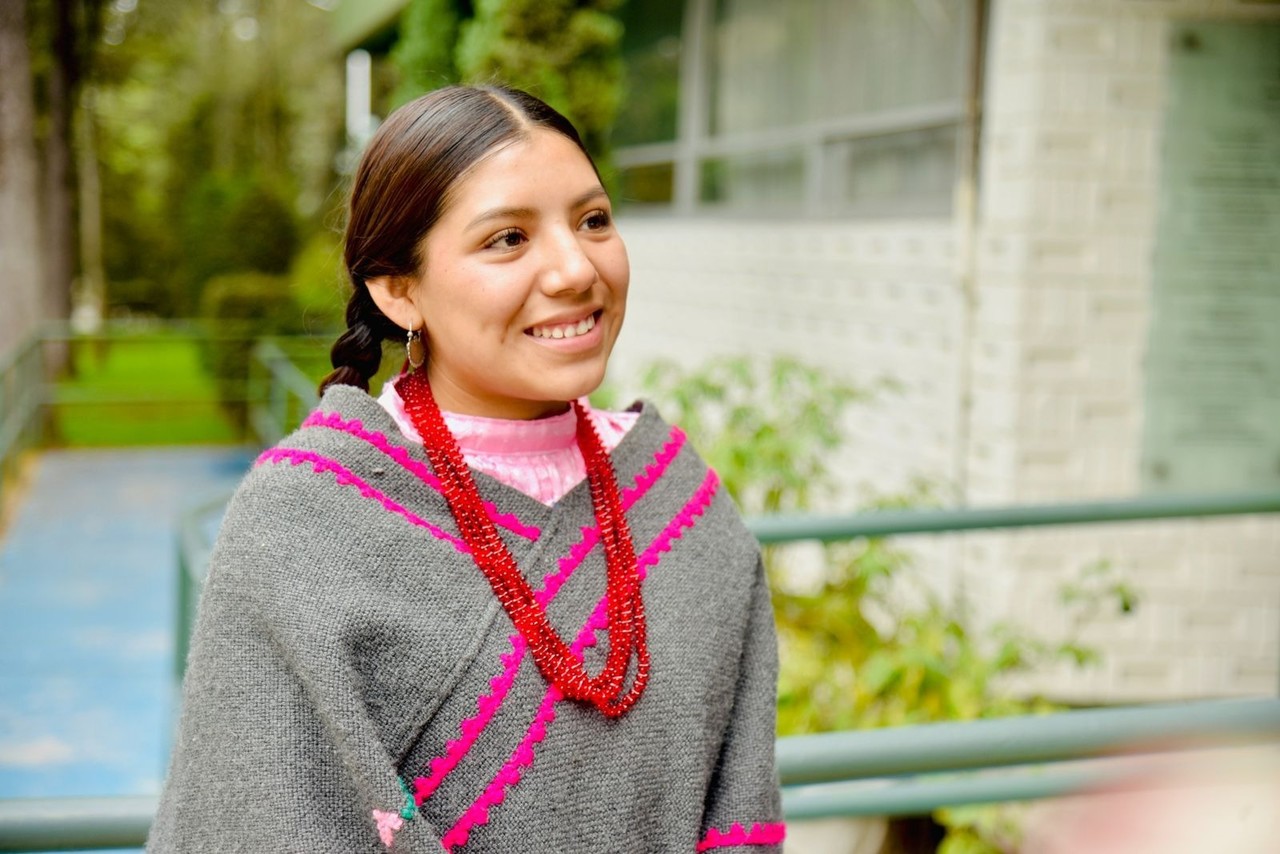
345, 475
672, 480
348, 430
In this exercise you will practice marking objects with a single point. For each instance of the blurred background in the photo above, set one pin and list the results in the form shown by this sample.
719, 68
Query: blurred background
907, 256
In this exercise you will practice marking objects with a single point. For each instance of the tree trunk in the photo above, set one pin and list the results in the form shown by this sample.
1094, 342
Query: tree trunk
21, 274
91, 296
61, 244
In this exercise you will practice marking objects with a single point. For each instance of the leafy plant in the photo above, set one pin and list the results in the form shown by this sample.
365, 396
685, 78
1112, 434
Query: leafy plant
318, 282
242, 307
423, 52
863, 641
568, 53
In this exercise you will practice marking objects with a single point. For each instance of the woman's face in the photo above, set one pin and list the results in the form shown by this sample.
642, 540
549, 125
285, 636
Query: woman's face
523, 284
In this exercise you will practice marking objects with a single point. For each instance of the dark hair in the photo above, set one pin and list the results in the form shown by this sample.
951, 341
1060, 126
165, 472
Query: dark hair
402, 186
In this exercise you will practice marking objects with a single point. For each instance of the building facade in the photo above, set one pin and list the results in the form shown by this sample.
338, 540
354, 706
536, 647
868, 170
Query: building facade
1055, 224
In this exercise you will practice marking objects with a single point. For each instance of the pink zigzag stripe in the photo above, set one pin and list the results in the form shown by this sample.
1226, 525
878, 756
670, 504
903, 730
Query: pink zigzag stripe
759, 834
487, 705
553, 581
522, 757
333, 421
346, 478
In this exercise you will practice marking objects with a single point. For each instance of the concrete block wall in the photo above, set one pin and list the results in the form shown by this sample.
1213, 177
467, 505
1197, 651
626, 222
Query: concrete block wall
1052, 357
868, 301
1070, 188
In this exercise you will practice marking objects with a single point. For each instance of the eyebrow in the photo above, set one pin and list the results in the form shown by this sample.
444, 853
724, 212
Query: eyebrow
526, 213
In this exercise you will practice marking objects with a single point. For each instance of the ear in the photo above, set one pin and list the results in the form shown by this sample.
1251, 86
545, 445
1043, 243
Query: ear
391, 294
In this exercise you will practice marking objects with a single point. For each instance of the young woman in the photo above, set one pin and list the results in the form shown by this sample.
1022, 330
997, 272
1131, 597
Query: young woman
474, 614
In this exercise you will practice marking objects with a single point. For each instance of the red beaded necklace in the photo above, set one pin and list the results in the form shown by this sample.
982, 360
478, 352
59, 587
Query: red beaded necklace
625, 607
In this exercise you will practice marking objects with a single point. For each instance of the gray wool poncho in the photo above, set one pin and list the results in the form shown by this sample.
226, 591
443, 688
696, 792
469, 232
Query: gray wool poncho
354, 685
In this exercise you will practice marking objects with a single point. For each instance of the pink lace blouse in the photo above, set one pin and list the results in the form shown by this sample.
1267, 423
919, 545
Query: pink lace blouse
540, 458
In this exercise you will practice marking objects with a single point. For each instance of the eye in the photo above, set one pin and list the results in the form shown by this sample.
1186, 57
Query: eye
509, 238
596, 220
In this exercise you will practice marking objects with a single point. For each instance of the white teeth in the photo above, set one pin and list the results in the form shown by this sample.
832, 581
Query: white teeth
582, 327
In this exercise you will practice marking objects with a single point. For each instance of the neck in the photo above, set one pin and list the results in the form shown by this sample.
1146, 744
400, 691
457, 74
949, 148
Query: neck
452, 398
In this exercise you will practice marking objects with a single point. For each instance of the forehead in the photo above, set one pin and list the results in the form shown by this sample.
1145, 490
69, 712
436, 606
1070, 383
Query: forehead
544, 166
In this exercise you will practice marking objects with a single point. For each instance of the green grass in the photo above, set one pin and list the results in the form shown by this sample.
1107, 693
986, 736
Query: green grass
140, 390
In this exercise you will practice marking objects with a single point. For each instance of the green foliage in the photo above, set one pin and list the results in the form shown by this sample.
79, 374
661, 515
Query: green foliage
251, 305
567, 52
161, 368
423, 54
863, 641
232, 224
214, 148
767, 429
982, 829
318, 282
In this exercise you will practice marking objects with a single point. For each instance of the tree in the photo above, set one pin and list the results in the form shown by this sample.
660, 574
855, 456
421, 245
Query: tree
210, 116
567, 52
21, 273
423, 53
69, 28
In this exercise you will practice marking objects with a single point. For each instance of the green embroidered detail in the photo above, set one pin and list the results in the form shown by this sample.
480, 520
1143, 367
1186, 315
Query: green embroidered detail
410, 806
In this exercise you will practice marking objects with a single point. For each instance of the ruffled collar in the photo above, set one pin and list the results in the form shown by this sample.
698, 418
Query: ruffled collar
477, 435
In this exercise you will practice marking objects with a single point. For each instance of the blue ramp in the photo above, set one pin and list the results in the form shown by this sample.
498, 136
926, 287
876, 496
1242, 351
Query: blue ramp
87, 615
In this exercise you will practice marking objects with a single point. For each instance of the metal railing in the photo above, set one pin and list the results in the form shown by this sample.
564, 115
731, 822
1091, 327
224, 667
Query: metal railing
280, 394
274, 394
909, 770
21, 398
893, 771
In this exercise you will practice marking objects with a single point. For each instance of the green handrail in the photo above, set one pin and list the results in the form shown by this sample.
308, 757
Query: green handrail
1027, 740
281, 396
75, 824
1055, 743
22, 392
883, 523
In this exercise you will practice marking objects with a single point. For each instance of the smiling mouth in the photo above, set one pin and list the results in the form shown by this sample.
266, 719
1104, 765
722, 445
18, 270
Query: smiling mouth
566, 330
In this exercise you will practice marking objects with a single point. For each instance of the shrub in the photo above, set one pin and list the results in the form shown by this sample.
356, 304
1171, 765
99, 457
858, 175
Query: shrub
319, 284
229, 224
866, 643
240, 307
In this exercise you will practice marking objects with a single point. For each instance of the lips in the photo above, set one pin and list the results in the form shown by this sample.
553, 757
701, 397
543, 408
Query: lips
570, 329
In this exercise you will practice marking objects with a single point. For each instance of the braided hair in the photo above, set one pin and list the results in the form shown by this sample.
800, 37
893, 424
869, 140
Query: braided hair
400, 189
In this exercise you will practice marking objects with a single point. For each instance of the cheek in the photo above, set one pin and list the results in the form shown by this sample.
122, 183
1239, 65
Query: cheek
615, 268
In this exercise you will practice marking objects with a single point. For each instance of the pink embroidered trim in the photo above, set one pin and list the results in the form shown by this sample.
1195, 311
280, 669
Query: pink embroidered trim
478, 813
522, 757
759, 834
487, 705
346, 478
553, 581
333, 421
388, 823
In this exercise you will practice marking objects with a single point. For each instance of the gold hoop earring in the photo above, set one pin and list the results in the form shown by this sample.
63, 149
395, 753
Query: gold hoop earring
414, 350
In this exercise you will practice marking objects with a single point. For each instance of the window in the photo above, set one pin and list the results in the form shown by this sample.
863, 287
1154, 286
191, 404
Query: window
817, 107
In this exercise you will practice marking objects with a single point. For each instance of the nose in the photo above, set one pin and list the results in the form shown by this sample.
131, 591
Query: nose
568, 268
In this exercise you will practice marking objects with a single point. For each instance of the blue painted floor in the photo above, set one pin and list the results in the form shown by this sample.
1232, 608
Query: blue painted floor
87, 604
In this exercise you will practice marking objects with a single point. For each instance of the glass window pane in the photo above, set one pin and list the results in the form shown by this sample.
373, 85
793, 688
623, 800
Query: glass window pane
777, 64
901, 174
651, 184
651, 68
762, 70
763, 183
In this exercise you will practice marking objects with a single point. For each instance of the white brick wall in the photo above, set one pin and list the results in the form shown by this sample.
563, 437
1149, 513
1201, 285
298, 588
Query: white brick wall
1070, 188
1070, 178
867, 300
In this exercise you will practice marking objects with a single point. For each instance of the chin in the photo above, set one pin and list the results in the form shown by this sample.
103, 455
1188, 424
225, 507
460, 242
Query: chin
579, 386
